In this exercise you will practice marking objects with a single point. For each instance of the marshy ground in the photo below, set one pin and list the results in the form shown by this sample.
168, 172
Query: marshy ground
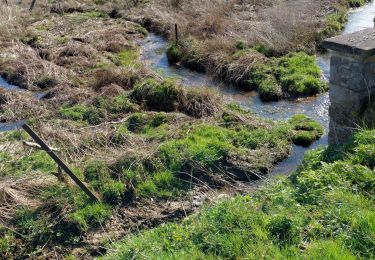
152, 150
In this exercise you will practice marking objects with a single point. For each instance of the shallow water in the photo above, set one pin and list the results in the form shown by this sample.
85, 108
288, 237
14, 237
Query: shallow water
14, 125
153, 50
6, 85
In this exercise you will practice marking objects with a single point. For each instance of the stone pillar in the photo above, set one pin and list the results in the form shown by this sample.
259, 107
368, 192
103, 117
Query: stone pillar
352, 83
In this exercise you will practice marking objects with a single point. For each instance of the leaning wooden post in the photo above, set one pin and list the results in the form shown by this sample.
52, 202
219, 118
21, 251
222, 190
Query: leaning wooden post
32, 5
59, 162
176, 32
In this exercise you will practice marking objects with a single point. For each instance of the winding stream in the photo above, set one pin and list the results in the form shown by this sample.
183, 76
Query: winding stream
153, 53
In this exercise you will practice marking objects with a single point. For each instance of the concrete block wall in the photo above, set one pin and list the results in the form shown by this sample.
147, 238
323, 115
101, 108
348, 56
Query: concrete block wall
352, 83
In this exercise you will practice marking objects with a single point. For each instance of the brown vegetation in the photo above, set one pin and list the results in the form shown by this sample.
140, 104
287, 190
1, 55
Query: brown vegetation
213, 32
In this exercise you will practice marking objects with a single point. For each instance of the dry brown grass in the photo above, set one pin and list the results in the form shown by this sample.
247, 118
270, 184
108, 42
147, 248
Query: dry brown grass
19, 105
201, 102
281, 25
210, 29
125, 78
21, 192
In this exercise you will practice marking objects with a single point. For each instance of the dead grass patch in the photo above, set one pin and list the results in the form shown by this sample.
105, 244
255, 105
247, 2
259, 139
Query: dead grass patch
21, 192
20, 105
122, 77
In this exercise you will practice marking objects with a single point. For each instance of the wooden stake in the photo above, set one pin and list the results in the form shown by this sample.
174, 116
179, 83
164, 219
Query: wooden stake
59, 162
176, 33
32, 5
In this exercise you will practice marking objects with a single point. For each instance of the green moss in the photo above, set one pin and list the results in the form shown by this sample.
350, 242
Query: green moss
306, 130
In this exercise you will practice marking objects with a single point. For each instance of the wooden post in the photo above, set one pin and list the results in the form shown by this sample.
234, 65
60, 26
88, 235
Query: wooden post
32, 5
176, 33
59, 162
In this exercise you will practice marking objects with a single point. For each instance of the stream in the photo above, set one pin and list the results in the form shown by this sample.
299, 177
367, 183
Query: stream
153, 53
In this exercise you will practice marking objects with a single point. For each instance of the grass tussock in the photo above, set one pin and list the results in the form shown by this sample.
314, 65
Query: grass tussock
295, 74
168, 96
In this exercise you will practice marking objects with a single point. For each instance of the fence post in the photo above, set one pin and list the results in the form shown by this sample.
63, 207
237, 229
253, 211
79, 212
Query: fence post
32, 5
176, 32
59, 162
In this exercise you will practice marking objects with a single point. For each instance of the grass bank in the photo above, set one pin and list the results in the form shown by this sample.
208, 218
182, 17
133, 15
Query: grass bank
324, 210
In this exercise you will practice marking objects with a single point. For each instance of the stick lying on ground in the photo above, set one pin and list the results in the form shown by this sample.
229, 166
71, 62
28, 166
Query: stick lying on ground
37, 146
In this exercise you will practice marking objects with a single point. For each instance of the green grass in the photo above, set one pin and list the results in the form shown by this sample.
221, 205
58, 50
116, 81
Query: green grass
269, 89
103, 108
161, 185
79, 112
295, 74
305, 130
36, 161
336, 20
127, 57
199, 148
325, 210
160, 96
65, 218
357, 3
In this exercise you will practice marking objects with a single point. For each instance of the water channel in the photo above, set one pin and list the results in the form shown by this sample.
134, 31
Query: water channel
153, 53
